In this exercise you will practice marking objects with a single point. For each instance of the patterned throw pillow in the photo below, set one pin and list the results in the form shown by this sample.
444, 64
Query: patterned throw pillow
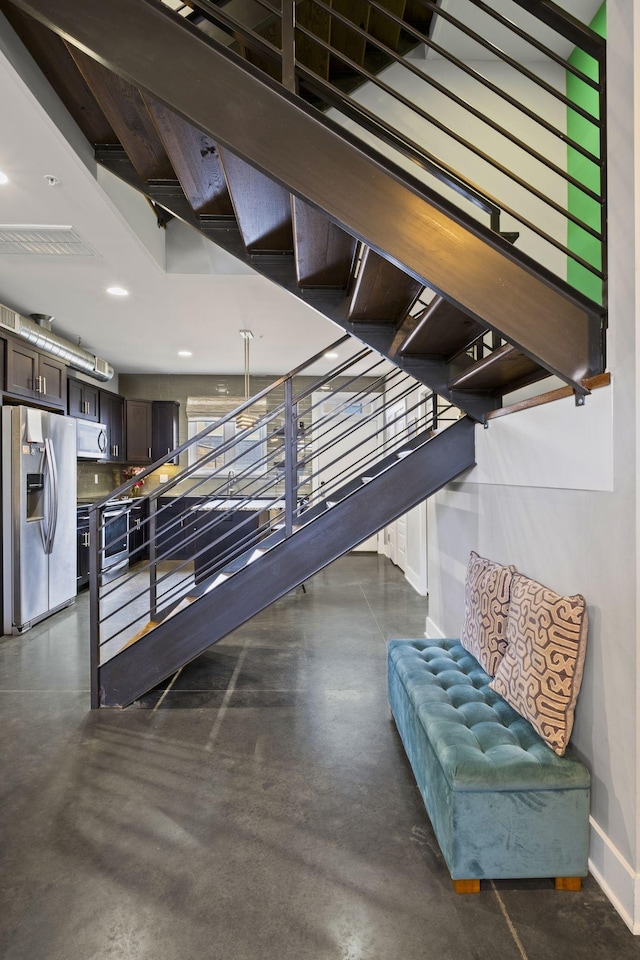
486, 607
541, 672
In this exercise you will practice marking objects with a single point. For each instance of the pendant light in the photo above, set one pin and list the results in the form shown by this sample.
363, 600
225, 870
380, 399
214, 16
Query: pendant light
244, 420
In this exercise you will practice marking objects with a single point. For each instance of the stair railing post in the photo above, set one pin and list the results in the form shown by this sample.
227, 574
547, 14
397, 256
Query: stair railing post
434, 411
290, 457
289, 45
94, 607
153, 568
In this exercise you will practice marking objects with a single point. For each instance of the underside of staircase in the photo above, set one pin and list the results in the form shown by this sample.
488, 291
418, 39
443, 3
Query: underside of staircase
259, 169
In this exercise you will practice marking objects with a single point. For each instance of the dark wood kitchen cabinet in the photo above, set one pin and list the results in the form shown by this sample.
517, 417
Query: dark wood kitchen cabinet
152, 429
165, 428
82, 400
35, 375
82, 578
112, 408
138, 532
139, 418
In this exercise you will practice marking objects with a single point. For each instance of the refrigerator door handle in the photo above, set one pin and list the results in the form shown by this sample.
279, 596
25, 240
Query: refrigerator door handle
45, 523
53, 526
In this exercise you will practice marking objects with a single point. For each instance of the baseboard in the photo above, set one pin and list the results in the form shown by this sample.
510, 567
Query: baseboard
615, 876
414, 580
433, 630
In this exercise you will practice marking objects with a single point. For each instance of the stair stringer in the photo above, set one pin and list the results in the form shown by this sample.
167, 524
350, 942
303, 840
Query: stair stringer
398, 217
393, 492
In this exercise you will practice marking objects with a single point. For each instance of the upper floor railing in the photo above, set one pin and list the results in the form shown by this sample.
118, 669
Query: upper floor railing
478, 104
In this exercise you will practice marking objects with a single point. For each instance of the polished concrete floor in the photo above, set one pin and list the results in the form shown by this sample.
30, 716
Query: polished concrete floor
260, 807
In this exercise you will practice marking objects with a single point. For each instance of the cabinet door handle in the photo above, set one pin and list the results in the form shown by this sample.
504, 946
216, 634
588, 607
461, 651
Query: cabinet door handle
85, 539
149, 453
38, 387
44, 380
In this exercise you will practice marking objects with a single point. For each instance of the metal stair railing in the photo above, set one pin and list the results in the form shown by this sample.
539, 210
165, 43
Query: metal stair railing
493, 143
312, 440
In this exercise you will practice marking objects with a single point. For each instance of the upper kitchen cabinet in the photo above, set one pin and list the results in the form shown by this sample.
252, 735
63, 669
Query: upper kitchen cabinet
35, 375
152, 429
82, 399
139, 416
165, 428
112, 415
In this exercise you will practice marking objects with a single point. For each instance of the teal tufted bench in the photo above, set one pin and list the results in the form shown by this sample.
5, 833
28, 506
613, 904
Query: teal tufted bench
501, 802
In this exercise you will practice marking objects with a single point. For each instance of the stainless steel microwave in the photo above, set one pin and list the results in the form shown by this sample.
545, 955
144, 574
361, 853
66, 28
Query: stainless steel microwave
92, 440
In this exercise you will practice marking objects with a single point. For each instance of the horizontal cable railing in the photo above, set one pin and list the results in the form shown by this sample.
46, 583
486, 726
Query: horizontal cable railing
252, 478
470, 100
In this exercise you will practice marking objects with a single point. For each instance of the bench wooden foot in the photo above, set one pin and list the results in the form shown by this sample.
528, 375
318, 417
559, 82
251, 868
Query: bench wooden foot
569, 883
466, 886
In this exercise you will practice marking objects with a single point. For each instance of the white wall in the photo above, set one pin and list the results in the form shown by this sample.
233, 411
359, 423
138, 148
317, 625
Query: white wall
568, 518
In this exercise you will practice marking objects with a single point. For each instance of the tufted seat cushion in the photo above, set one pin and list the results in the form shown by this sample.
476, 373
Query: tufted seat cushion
502, 803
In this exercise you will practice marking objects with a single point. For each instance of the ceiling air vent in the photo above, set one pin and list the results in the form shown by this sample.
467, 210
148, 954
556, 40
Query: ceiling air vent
103, 368
9, 319
42, 241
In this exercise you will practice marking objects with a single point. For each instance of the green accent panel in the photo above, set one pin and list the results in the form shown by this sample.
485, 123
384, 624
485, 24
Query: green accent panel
585, 171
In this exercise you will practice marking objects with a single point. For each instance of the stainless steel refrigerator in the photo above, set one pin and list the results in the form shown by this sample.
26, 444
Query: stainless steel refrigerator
38, 515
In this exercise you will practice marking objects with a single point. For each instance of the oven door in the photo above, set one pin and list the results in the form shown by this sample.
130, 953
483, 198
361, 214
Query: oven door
115, 543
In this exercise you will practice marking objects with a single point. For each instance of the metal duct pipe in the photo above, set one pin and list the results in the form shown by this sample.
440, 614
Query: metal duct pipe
40, 336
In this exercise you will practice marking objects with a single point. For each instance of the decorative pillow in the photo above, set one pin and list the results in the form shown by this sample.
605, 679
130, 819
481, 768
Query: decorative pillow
486, 606
541, 672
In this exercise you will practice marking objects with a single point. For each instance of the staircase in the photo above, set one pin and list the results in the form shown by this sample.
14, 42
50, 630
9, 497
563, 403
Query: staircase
273, 491
306, 164
365, 157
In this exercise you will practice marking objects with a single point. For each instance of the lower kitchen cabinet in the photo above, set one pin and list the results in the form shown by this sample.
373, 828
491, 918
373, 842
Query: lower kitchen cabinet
83, 550
216, 541
176, 525
138, 532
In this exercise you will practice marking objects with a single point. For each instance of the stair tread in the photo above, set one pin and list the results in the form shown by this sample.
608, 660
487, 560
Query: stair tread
441, 331
504, 370
383, 293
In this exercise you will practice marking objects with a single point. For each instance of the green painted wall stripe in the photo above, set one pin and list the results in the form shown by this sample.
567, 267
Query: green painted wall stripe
583, 170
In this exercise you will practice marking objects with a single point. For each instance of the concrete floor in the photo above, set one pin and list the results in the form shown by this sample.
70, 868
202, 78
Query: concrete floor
261, 808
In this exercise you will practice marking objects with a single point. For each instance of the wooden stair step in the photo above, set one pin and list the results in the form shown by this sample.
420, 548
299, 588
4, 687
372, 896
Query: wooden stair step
442, 330
196, 161
383, 293
324, 253
125, 109
262, 207
504, 370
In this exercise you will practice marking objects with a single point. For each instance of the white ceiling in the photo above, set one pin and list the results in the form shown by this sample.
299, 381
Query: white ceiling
185, 293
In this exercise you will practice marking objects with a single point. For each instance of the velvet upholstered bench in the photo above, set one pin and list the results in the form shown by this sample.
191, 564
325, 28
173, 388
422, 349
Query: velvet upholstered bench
504, 800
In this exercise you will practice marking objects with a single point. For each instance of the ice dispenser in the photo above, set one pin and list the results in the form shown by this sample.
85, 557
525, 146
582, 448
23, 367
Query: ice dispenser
35, 496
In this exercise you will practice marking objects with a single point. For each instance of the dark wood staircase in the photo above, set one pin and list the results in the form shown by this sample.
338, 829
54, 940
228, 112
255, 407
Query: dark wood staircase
259, 171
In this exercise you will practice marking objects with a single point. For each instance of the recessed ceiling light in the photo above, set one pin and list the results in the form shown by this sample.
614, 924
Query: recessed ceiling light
3, 177
185, 353
118, 291
331, 356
